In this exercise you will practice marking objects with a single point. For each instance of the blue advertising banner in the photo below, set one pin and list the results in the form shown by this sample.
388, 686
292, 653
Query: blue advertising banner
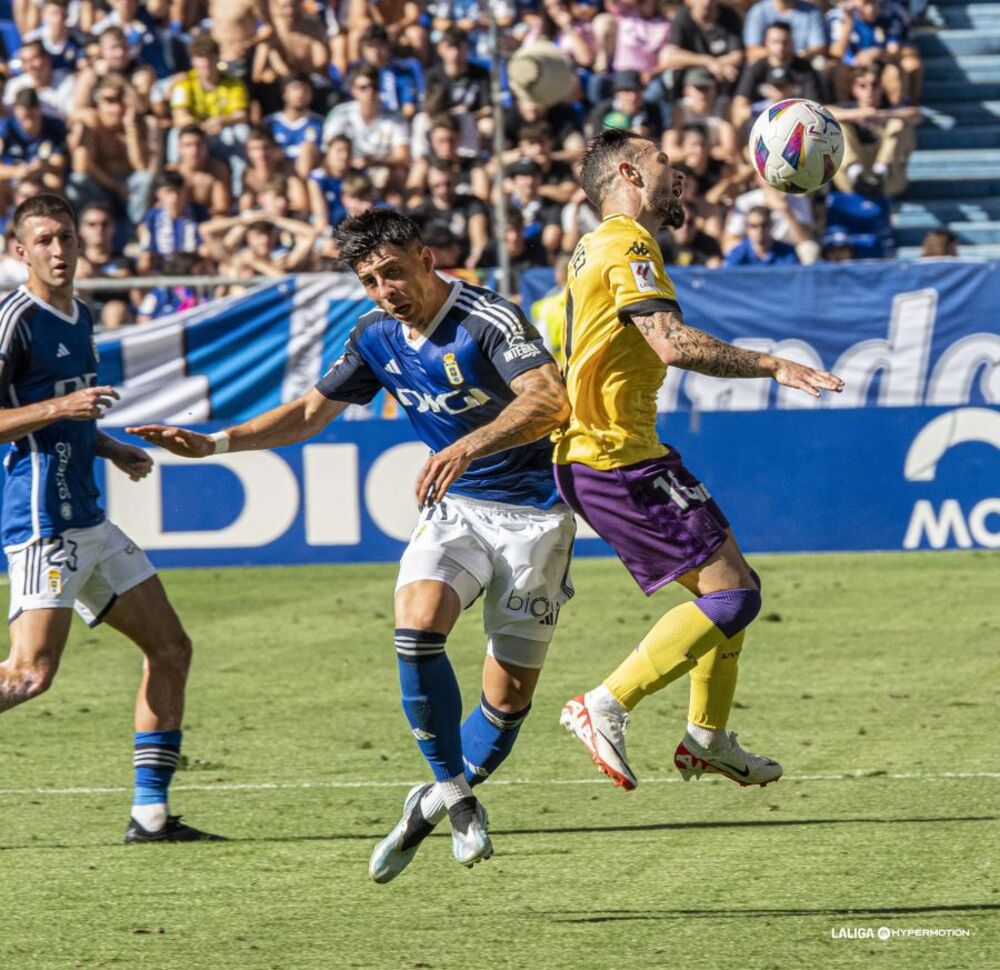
900, 478
908, 457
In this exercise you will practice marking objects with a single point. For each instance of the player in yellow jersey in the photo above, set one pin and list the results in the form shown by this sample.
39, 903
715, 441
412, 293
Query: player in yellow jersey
623, 328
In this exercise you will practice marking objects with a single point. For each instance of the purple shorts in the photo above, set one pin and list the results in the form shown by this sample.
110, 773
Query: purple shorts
655, 514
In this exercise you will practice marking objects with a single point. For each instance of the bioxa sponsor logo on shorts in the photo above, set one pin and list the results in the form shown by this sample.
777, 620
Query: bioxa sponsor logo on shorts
941, 523
529, 604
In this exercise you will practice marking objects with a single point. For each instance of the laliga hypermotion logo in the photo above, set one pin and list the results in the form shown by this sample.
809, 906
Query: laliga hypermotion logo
948, 522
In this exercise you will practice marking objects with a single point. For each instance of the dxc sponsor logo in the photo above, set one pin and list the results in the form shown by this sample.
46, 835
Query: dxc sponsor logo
73, 384
448, 402
947, 523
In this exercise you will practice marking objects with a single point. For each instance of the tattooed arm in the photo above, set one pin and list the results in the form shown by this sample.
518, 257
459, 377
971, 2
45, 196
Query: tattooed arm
541, 406
679, 345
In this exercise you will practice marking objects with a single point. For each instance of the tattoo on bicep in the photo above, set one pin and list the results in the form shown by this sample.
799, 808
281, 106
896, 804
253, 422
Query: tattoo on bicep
693, 349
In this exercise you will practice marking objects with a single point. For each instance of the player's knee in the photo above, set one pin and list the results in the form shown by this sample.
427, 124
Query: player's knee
174, 651
731, 610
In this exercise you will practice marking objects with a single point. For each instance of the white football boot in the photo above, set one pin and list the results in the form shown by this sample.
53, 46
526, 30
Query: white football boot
473, 845
394, 853
727, 759
601, 730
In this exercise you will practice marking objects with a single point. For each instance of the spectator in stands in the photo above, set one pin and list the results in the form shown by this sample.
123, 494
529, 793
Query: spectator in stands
55, 88
63, 43
259, 243
100, 259
265, 163
878, 140
759, 248
31, 143
171, 225
541, 219
805, 21
565, 119
400, 80
457, 85
161, 301
689, 245
471, 177
466, 216
296, 44
324, 184
402, 20
558, 183
938, 243
873, 34
297, 130
13, 271
380, 141
696, 162
626, 109
207, 178
791, 218
238, 26
698, 107
218, 102
638, 33
111, 159
705, 34
523, 253
779, 74
115, 57
446, 248
570, 26
357, 193
837, 247
865, 216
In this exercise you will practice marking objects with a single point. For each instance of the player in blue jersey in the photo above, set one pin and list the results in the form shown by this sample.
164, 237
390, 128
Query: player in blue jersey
481, 391
61, 550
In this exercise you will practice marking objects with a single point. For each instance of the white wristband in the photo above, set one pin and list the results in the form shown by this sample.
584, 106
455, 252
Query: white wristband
221, 439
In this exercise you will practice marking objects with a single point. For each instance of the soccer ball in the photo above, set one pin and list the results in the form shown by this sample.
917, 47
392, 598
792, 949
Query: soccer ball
541, 73
796, 145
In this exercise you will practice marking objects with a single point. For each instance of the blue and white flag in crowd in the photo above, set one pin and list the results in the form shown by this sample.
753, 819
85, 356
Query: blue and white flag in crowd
233, 358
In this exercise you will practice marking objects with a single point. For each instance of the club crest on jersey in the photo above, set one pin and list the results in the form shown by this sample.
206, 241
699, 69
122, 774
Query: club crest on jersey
637, 249
452, 370
643, 274
54, 580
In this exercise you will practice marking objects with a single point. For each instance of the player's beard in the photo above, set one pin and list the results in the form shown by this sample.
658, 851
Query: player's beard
668, 206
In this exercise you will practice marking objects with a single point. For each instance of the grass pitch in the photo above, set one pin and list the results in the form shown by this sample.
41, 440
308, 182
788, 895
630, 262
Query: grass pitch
872, 678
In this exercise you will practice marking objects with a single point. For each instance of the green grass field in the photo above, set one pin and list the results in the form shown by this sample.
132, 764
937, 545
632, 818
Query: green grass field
873, 679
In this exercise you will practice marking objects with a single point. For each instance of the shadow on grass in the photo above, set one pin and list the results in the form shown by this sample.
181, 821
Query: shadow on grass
559, 830
625, 915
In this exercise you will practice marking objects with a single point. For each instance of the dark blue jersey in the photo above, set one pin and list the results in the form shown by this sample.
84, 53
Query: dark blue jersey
50, 483
451, 379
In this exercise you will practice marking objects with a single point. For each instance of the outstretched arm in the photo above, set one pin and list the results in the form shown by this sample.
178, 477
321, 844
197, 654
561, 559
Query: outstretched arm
134, 461
284, 425
541, 406
679, 345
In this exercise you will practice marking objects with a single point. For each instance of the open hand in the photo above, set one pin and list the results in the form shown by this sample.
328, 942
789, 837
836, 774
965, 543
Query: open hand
178, 441
807, 379
439, 474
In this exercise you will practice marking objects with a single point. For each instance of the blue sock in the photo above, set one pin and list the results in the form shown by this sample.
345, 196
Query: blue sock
488, 735
431, 699
155, 759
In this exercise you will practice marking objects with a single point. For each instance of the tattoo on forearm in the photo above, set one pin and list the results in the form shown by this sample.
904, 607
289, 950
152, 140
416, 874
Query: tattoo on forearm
535, 412
697, 350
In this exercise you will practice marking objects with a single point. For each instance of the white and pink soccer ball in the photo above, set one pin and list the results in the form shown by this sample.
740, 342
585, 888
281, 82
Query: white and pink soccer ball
796, 145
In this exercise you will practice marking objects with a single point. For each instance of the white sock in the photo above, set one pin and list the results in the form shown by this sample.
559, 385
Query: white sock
432, 805
706, 737
853, 171
454, 790
601, 698
880, 168
151, 817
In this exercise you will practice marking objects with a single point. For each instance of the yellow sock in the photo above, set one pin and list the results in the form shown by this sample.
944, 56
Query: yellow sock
713, 684
670, 649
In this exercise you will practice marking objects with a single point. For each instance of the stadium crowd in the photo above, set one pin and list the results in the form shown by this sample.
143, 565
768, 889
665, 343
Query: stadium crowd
230, 136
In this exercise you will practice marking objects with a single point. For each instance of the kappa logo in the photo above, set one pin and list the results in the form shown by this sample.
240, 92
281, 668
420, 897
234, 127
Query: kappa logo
392, 367
637, 249
62, 351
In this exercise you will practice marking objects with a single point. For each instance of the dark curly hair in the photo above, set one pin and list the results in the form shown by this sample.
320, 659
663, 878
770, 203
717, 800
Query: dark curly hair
359, 238
600, 163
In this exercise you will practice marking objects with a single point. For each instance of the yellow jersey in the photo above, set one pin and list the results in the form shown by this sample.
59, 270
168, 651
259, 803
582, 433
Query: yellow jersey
612, 374
227, 97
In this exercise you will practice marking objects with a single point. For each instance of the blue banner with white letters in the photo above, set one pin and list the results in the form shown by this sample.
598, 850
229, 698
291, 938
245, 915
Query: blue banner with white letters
907, 458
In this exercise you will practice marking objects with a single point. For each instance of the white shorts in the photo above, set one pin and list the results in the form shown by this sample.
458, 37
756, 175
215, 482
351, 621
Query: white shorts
85, 568
517, 556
